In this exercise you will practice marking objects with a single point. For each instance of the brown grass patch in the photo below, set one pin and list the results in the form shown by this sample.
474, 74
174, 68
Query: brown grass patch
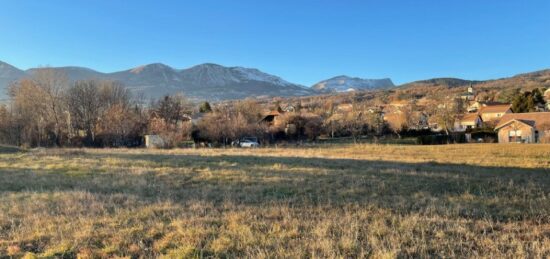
334, 201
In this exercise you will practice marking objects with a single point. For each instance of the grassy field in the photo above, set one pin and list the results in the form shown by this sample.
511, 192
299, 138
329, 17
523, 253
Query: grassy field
380, 201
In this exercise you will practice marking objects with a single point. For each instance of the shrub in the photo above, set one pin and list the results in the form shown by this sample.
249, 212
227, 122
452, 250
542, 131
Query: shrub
442, 139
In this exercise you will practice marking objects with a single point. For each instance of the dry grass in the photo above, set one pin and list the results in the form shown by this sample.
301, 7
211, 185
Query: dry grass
341, 201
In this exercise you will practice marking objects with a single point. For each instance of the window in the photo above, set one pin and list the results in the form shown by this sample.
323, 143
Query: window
514, 133
514, 136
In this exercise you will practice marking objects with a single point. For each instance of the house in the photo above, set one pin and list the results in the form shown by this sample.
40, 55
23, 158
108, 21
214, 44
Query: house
423, 120
289, 108
344, 107
272, 116
532, 127
156, 118
468, 121
475, 106
377, 109
399, 103
493, 112
415, 120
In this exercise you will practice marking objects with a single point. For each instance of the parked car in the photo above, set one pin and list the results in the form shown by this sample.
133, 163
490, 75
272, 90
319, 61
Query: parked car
249, 142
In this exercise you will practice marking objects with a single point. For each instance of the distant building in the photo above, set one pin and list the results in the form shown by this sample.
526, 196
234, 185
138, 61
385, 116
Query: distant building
154, 141
490, 112
475, 106
414, 121
271, 117
197, 117
289, 108
471, 90
469, 95
399, 103
344, 107
468, 121
493, 113
532, 127
423, 120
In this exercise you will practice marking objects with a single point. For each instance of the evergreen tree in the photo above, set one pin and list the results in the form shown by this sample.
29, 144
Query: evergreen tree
537, 97
527, 101
518, 103
530, 103
205, 107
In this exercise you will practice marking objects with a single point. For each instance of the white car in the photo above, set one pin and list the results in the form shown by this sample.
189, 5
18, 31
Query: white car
249, 143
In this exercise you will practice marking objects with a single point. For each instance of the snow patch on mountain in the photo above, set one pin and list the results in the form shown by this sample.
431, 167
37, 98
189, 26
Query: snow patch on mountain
252, 74
346, 84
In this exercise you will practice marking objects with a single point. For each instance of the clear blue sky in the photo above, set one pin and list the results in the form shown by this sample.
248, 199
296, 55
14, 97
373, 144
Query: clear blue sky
301, 41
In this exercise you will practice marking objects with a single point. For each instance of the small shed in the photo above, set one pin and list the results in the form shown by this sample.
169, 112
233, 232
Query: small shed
154, 141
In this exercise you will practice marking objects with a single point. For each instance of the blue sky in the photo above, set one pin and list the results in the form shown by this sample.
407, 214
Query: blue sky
301, 41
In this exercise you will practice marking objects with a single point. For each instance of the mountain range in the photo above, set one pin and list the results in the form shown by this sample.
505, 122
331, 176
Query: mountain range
537, 79
346, 84
202, 82
215, 82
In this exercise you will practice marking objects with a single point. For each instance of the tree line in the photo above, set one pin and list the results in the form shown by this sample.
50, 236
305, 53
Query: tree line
47, 109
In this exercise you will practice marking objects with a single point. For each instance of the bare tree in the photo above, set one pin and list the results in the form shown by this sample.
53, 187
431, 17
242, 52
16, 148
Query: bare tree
53, 85
312, 126
375, 120
28, 111
250, 109
85, 105
214, 127
113, 93
173, 108
397, 122
355, 122
105, 108
120, 126
40, 107
445, 115
8, 127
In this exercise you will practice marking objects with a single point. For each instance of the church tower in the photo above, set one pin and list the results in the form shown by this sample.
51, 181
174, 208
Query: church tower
471, 90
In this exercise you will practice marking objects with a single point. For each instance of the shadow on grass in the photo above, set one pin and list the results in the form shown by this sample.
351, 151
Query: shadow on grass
7, 149
501, 193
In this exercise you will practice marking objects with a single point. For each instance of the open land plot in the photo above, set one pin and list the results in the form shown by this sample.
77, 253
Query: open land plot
476, 200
